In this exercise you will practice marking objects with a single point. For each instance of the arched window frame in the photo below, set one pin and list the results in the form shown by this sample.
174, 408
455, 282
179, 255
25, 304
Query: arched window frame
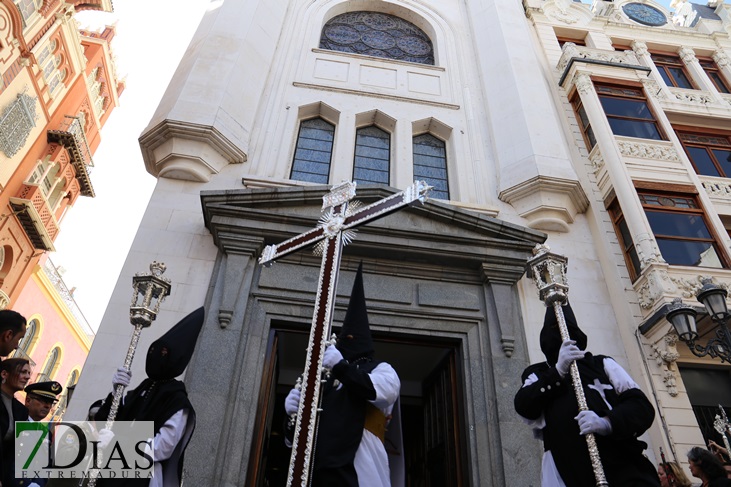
28, 343
372, 160
423, 163
52, 364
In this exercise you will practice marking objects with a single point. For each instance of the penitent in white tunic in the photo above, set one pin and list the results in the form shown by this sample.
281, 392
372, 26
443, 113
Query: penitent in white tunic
371, 460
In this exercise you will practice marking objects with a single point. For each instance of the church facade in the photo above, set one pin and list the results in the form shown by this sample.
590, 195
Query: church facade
550, 121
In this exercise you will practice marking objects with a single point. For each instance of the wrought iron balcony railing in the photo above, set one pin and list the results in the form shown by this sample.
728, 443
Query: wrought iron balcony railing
71, 135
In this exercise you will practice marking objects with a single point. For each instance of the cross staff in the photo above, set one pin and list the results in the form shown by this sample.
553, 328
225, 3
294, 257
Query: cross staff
335, 230
722, 426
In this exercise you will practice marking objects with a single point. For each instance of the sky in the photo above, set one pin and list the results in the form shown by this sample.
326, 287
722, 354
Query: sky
96, 233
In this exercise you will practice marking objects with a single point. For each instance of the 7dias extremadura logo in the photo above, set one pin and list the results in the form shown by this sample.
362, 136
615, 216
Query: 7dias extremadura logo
77, 449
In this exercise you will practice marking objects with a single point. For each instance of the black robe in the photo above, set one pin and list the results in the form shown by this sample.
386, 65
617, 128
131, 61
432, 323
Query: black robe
341, 423
154, 401
20, 413
621, 452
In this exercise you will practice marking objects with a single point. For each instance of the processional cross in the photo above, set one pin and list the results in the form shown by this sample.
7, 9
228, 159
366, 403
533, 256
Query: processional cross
335, 230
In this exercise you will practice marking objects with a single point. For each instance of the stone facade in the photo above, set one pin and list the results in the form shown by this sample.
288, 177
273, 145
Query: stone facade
448, 274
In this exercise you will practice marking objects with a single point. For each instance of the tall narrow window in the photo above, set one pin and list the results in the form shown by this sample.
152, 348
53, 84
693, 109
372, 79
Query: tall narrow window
430, 164
377, 34
681, 230
711, 69
709, 154
627, 111
314, 151
672, 69
584, 124
372, 155
27, 8
52, 362
29, 338
625, 240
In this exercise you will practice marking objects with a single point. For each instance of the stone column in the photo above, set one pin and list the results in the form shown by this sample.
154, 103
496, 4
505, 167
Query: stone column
724, 65
697, 73
643, 55
608, 150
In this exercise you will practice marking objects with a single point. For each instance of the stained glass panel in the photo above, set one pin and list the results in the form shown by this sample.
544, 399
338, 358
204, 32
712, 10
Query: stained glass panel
377, 34
430, 164
313, 152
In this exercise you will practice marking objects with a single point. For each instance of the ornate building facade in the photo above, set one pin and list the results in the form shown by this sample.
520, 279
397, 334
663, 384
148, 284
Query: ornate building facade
595, 128
58, 89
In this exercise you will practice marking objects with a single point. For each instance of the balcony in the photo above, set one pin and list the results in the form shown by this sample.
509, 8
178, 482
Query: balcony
35, 216
71, 135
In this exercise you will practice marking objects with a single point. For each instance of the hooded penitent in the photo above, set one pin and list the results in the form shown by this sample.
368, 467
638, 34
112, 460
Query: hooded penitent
551, 336
355, 340
168, 356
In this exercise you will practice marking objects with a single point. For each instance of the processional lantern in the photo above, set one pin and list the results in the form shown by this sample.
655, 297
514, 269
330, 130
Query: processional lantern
549, 273
149, 291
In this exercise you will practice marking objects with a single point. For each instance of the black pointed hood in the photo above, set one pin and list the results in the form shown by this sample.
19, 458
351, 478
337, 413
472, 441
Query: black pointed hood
355, 340
551, 336
168, 356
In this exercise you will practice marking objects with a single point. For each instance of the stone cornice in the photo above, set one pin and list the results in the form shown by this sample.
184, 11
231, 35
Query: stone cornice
183, 161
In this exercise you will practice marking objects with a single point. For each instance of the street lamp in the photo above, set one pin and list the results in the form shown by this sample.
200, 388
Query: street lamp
682, 317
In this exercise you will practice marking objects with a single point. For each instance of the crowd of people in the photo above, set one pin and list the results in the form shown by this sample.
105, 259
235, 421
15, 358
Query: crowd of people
360, 399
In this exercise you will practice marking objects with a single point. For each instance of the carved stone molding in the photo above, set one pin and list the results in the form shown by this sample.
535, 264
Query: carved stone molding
653, 89
694, 97
560, 10
547, 203
666, 355
652, 287
613, 57
597, 161
183, 150
718, 189
689, 287
721, 59
640, 48
583, 83
4, 300
647, 250
648, 151
687, 55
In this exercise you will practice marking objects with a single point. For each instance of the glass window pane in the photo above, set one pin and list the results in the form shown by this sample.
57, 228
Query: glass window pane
681, 80
718, 81
702, 161
626, 108
372, 155
724, 160
430, 164
313, 152
665, 76
679, 252
633, 128
677, 224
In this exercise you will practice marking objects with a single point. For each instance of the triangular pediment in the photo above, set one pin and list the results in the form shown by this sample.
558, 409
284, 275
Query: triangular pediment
434, 231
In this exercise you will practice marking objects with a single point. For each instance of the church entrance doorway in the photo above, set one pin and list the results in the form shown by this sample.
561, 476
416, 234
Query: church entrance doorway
432, 416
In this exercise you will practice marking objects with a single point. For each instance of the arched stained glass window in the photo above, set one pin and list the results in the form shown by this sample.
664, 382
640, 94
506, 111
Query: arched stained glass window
430, 164
372, 155
52, 362
314, 150
377, 34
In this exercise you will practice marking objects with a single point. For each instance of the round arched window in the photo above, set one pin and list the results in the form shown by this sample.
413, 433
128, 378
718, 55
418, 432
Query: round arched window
377, 34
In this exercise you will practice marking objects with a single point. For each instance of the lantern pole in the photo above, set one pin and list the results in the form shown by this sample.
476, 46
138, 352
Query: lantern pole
152, 289
549, 273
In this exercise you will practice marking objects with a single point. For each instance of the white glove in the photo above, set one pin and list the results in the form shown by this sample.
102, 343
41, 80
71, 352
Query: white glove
567, 354
590, 422
332, 357
292, 402
121, 377
105, 437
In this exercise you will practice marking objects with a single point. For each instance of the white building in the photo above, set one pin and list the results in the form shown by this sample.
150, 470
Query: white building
275, 100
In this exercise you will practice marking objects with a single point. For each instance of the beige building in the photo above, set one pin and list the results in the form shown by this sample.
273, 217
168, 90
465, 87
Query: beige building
275, 101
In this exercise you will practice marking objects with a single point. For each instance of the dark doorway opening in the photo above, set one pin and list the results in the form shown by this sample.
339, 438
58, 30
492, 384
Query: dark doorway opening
432, 415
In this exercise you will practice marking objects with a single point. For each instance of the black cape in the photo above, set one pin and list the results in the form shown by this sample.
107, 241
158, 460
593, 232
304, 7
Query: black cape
154, 401
621, 452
